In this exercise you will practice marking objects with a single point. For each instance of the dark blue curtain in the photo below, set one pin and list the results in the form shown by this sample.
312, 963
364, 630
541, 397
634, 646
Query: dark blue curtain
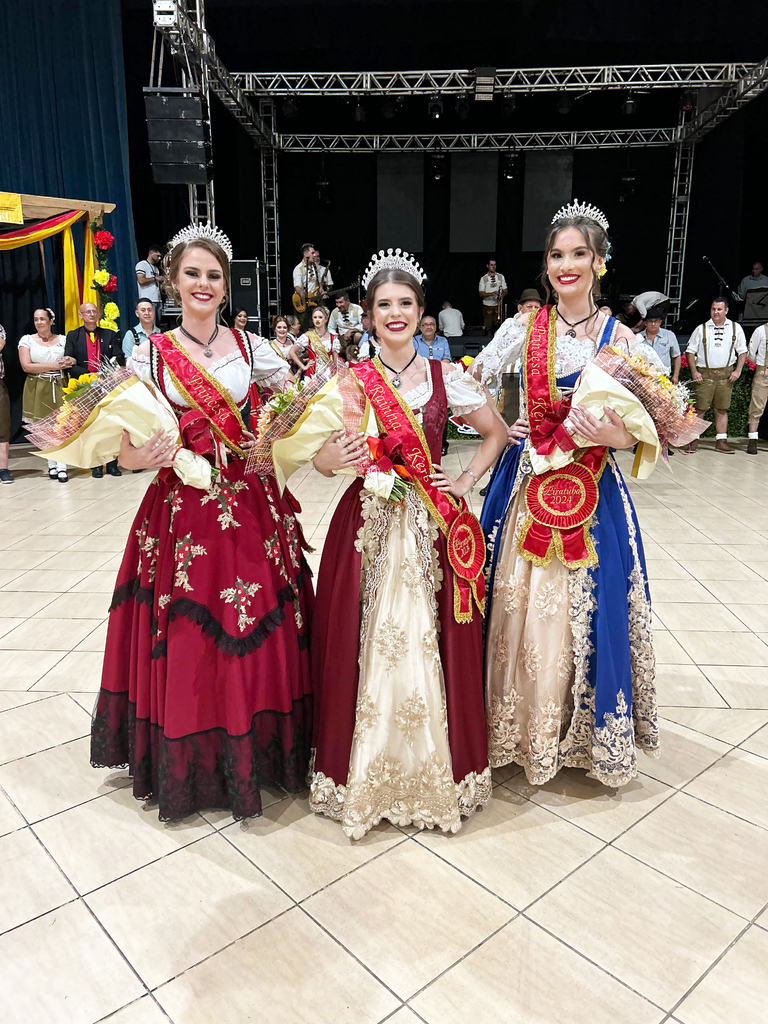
64, 132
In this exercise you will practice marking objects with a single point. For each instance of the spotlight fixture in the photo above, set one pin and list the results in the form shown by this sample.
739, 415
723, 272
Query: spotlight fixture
288, 108
485, 83
627, 185
508, 106
388, 109
629, 107
564, 103
510, 165
462, 108
435, 108
358, 112
438, 166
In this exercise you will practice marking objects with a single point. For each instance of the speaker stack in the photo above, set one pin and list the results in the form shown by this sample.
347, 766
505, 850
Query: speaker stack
249, 292
179, 136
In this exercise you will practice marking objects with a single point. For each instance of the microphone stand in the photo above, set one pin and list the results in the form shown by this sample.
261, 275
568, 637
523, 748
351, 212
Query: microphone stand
726, 287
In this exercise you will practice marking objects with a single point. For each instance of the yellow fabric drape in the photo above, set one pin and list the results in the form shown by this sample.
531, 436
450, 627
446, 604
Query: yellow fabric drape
15, 239
89, 269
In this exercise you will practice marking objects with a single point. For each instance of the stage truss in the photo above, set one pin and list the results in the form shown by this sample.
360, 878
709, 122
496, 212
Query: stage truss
716, 91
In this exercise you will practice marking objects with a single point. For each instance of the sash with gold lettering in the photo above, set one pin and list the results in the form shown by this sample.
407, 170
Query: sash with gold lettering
560, 502
201, 390
466, 544
317, 354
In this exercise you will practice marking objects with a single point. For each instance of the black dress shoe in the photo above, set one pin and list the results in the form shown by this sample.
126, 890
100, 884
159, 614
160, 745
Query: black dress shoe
484, 491
445, 448
98, 472
113, 469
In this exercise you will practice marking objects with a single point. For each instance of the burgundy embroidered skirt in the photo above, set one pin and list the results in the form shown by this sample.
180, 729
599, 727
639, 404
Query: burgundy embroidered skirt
205, 692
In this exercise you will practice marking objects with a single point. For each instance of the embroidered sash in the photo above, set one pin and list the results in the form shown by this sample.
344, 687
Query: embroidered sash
202, 391
561, 502
317, 354
466, 545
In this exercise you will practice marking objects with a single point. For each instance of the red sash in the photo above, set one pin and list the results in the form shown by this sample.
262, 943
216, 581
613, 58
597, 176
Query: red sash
94, 351
466, 545
316, 353
202, 391
560, 502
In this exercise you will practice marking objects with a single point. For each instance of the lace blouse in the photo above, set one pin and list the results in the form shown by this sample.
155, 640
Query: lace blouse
572, 354
231, 371
463, 392
40, 353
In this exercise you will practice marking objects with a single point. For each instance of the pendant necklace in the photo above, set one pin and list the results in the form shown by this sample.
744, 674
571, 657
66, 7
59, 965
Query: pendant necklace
572, 332
396, 380
204, 345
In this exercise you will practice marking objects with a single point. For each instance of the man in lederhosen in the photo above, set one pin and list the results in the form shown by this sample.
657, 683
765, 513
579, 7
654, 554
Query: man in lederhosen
711, 350
757, 403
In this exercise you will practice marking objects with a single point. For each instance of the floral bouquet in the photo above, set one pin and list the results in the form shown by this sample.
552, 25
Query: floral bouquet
88, 428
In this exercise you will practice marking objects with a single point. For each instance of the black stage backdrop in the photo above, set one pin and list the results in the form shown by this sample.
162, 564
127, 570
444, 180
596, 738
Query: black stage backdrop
728, 217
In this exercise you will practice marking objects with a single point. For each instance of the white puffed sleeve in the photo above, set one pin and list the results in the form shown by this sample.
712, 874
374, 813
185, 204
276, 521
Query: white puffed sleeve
140, 365
465, 395
504, 351
268, 367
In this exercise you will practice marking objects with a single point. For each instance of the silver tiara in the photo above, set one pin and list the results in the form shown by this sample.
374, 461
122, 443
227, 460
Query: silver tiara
193, 232
393, 259
577, 209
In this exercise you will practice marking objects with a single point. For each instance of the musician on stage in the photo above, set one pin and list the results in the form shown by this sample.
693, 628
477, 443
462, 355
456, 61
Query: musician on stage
310, 284
493, 291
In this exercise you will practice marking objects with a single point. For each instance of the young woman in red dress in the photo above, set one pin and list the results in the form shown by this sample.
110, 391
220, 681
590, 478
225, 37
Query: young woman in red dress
206, 691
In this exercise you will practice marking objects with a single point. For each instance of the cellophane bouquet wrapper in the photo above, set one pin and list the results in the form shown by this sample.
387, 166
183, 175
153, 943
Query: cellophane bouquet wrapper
294, 425
653, 410
88, 430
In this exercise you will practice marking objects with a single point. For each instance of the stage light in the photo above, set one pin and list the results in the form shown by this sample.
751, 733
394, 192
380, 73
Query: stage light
462, 108
438, 166
510, 165
485, 83
358, 112
564, 103
389, 109
288, 108
688, 101
629, 106
435, 108
508, 106
628, 183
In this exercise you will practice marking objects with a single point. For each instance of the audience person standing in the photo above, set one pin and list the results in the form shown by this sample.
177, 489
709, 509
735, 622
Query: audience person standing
368, 347
493, 291
5, 418
148, 275
710, 352
87, 346
450, 321
144, 329
663, 342
756, 279
759, 398
43, 358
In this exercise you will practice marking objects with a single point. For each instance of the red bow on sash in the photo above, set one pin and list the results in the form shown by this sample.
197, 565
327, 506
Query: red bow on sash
202, 392
403, 438
560, 502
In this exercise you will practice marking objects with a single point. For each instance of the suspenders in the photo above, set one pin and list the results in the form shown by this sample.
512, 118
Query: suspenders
733, 344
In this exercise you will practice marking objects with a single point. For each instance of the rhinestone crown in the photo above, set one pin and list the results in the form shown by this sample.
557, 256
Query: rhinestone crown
393, 259
192, 232
577, 209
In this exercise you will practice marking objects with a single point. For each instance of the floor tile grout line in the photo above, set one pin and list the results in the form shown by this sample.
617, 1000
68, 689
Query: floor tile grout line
13, 760
150, 995
44, 695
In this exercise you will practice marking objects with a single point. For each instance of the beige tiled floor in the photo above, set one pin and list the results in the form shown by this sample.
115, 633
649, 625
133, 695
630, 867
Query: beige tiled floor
562, 902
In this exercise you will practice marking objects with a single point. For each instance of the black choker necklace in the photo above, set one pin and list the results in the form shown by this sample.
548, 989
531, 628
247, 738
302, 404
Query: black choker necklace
204, 345
572, 332
396, 380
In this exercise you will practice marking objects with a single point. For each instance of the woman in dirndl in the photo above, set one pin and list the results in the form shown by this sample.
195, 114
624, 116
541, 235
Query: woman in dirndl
42, 359
570, 666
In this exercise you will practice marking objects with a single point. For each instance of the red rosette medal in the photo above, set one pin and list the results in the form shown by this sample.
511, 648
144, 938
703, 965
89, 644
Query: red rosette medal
466, 553
560, 504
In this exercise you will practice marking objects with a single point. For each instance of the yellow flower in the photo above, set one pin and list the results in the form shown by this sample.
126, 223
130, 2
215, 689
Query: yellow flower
107, 324
101, 277
111, 312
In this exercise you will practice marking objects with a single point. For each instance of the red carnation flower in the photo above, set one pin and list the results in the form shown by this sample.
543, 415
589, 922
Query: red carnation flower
103, 239
111, 285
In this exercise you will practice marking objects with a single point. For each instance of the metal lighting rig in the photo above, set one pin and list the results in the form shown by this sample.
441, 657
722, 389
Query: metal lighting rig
715, 92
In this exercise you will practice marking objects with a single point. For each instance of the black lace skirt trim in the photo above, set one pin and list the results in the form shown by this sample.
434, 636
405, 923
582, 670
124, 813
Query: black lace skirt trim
207, 770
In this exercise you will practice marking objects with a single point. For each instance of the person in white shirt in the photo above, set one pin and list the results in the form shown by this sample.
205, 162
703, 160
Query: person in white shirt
347, 321
450, 321
710, 352
759, 399
145, 314
756, 279
310, 283
148, 275
493, 291
645, 300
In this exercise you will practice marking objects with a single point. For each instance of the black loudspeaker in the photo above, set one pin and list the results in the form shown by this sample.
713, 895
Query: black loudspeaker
249, 291
179, 142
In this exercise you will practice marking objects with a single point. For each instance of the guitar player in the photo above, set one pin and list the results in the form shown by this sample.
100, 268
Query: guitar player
310, 284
